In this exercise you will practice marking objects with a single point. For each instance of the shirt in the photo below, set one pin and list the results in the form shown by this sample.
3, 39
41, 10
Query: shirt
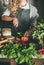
33, 11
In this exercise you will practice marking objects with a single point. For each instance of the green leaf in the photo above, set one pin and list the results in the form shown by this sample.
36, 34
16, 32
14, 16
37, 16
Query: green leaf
22, 59
19, 54
16, 59
16, 46
26, 59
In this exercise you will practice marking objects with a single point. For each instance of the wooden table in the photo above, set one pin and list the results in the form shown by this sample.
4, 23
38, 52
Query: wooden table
12, 62
38, 61
7, 39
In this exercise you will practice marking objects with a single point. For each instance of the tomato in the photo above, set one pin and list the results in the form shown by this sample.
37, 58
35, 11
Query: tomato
18, 39
24, 39
41, 51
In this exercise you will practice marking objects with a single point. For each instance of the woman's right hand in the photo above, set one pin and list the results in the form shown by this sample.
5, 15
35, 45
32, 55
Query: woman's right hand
15, 22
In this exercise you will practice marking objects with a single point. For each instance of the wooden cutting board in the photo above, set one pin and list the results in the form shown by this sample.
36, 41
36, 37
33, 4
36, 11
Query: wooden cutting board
3, 41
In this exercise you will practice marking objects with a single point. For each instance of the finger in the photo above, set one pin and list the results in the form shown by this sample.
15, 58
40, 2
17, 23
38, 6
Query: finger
16, 25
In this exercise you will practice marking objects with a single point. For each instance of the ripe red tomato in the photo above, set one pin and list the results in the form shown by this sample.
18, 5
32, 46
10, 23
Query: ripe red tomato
24, 39
18, 39
41, 51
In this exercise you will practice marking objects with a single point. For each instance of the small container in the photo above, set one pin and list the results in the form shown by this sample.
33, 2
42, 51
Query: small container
6, 31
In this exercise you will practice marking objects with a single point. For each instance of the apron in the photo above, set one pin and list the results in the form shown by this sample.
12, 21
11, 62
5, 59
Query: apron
23, 16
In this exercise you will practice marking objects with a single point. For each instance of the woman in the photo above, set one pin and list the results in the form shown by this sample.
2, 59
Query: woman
23, 15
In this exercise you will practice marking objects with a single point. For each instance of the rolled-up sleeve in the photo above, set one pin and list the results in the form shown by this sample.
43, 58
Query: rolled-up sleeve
33, 12
6, 13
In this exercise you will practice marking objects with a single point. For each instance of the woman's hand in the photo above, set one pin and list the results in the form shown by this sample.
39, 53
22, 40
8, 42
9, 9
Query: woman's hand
15, 22
26, 34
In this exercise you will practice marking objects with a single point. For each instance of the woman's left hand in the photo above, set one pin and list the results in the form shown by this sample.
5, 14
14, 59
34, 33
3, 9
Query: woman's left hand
27, 33
15, 22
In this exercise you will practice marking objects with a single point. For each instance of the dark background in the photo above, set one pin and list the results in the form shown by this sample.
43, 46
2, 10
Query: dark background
40, 6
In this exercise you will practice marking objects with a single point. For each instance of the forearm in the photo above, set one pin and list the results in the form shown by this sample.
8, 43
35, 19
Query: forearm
7, 18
